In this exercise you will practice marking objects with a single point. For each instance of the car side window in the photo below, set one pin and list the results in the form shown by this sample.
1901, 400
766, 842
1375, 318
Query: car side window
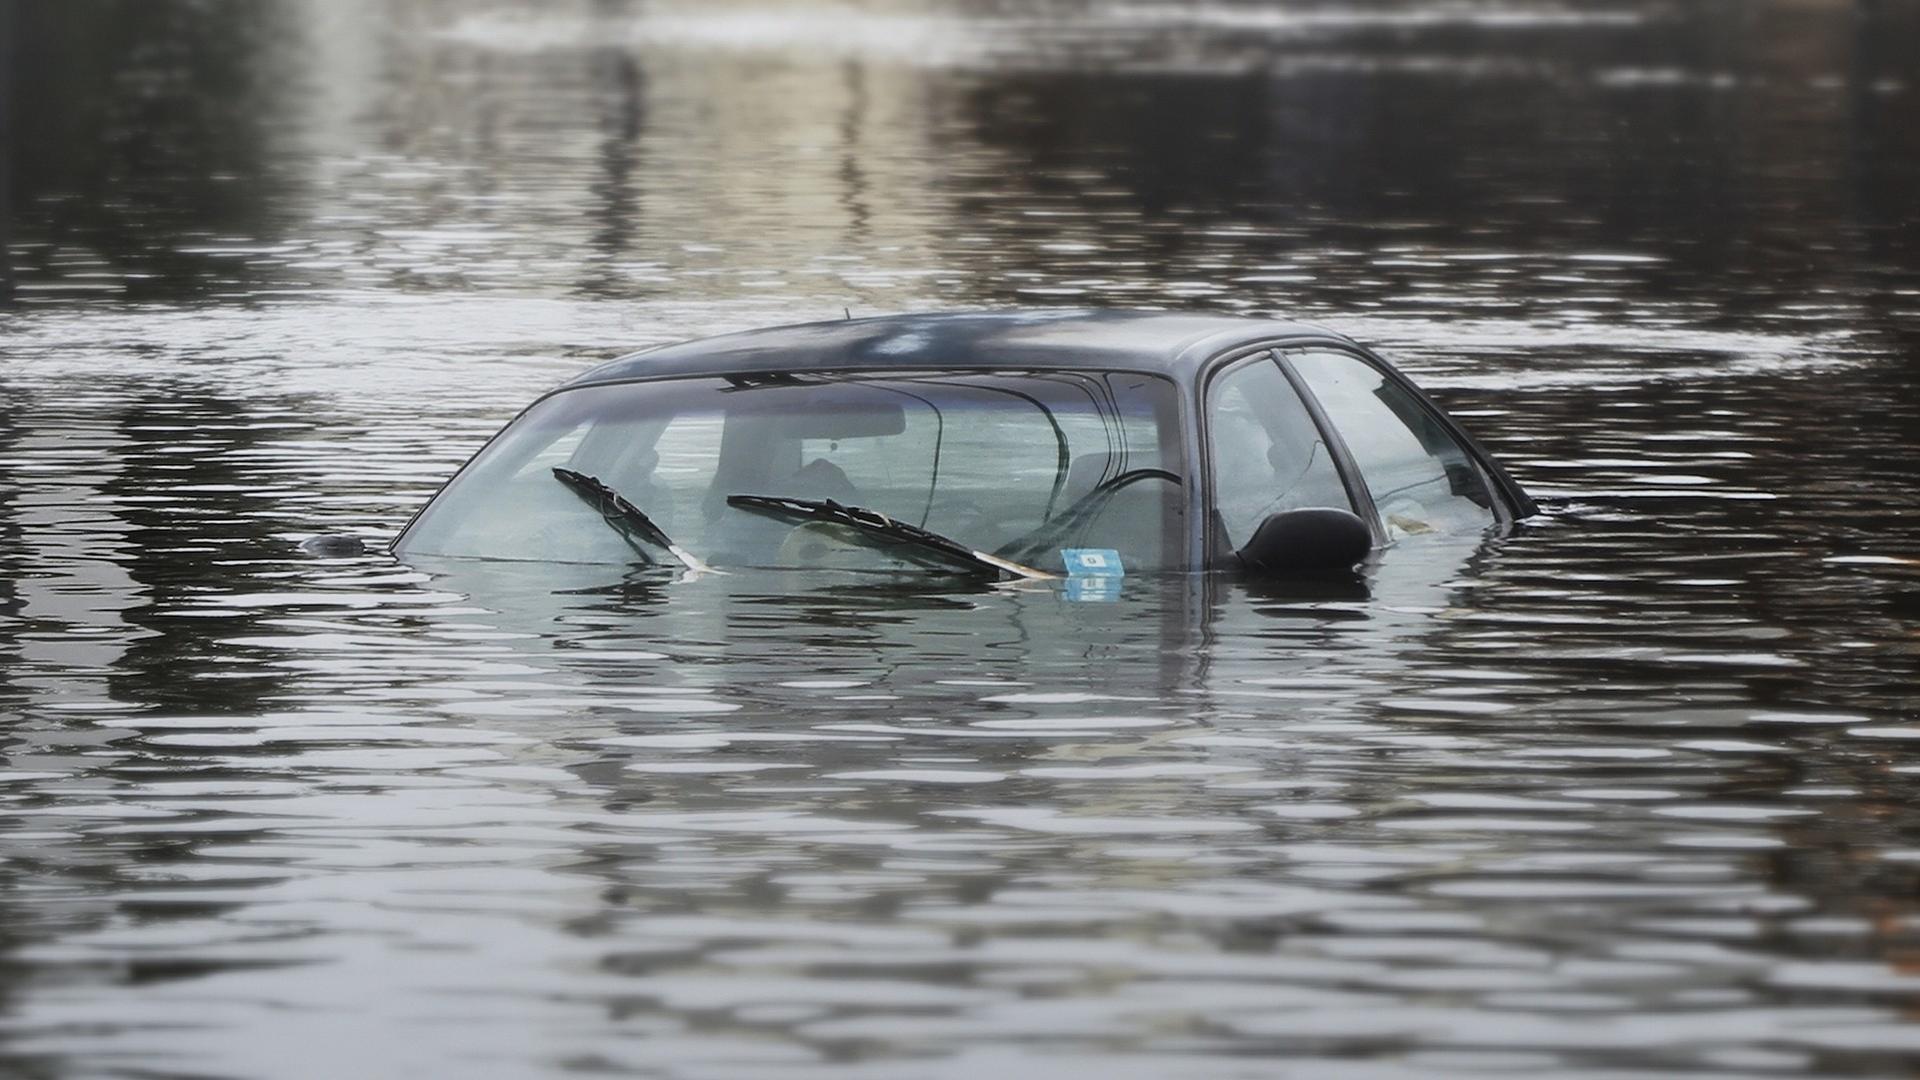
1267, 454
1422, 479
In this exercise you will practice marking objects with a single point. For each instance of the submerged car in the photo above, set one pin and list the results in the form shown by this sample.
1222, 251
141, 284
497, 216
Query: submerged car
1007, 445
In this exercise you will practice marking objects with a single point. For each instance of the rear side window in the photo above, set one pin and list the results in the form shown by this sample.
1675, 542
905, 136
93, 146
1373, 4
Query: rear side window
1267, 454
1422, 479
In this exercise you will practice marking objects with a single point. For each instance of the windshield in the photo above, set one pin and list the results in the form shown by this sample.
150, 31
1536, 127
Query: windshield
1018, 466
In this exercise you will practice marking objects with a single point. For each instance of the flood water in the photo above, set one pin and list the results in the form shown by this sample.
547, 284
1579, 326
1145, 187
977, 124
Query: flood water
1634, 791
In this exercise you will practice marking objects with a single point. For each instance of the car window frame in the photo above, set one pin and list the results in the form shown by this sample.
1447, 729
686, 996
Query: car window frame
1213, 544
1510, 503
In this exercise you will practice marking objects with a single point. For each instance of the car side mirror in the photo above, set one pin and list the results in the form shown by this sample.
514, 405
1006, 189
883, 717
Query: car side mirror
1315, 540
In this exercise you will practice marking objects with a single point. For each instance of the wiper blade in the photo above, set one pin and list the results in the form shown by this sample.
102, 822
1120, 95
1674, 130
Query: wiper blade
876, 524
626, 517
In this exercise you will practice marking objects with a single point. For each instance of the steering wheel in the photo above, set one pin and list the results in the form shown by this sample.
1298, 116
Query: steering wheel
1061, 525
823, 545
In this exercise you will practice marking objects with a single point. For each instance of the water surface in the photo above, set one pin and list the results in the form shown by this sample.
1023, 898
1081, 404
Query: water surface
1626, 793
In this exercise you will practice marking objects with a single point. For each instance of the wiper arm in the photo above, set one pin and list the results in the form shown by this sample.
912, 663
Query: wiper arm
878, 525
626, 517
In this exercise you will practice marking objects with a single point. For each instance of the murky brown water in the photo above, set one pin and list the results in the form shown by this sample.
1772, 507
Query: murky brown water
1629, 793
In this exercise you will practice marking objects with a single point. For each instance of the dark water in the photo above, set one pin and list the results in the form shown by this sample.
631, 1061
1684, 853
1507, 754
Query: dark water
1629, 793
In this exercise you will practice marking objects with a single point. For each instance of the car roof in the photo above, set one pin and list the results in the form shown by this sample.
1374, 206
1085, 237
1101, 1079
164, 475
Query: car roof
1050, 339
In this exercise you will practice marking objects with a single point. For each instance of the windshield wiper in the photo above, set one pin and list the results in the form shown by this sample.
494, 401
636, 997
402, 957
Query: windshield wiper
875, 524
629, 519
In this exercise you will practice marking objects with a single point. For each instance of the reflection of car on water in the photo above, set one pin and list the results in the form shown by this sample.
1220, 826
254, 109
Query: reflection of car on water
1001, 444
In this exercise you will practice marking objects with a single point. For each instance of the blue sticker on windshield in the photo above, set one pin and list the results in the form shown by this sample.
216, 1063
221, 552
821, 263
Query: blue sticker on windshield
1092, 562
1088, 588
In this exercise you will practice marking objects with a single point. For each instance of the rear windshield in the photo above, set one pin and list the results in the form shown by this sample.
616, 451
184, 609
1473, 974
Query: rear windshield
1017, 465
